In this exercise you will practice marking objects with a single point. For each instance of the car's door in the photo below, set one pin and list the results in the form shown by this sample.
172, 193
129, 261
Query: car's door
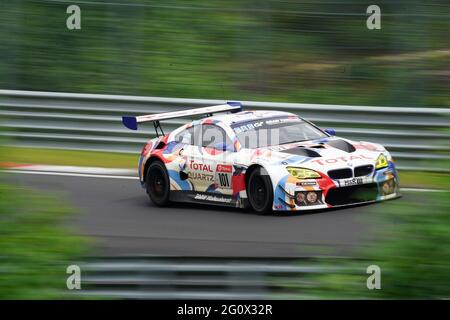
217, 154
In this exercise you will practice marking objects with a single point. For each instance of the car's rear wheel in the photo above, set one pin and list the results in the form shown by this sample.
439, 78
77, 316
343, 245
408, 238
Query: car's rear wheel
158, 183
260, 191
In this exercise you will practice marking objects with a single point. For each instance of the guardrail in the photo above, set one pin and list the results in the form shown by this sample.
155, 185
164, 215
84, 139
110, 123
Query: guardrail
201, 278
417, 137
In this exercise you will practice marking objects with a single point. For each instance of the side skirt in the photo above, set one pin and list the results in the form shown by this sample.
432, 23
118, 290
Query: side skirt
208, 198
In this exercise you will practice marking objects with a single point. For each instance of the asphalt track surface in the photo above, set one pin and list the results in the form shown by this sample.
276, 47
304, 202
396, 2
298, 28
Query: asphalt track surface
118, 216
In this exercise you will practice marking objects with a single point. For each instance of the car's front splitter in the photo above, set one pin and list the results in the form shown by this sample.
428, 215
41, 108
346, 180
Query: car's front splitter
297, 208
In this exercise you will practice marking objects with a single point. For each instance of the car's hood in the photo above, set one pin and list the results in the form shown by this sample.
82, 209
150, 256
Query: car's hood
325, 154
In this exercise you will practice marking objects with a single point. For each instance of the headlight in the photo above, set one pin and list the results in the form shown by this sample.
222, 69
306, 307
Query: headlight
382, 162
302, 173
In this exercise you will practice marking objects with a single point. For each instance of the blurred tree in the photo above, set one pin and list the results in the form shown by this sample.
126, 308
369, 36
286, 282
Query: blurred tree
299, 51
36, 245
411, 251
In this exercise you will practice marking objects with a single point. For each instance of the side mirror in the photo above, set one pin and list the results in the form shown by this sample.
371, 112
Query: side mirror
331, 132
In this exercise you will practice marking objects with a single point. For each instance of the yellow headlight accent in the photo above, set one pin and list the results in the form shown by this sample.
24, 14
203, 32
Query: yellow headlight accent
302, 173
382, 162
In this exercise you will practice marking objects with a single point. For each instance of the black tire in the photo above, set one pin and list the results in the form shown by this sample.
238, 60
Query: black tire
260, 191
158, 184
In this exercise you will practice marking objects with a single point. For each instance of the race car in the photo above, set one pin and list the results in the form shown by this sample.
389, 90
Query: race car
262, 160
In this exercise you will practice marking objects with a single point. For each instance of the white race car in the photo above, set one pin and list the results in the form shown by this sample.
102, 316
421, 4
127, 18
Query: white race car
265, 160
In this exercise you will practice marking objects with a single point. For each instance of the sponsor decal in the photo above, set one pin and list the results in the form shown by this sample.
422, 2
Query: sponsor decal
199, 166
282, 120
263, 124
341, 159
223, 175
224, 168
207, 197
248, 126
200, 176
224, 180
351, 182
306, 183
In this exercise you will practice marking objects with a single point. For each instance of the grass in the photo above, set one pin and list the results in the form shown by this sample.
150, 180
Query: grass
71, 157
423, 179
121, 160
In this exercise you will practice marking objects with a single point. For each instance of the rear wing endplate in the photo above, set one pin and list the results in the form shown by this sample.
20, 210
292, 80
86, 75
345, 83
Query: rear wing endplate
132, 122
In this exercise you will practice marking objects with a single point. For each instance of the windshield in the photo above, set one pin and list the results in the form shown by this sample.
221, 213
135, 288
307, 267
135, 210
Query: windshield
275, 131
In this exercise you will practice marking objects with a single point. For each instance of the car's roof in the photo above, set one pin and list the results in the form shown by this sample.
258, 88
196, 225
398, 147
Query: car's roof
244, 116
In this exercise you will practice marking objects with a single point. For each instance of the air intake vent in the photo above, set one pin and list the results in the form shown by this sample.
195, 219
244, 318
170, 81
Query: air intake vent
317, 146
363, 170
340, 173
353, 194
303, 152
341, 145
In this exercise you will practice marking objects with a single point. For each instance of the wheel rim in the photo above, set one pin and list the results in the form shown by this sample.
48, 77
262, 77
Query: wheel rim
157, 183
258, 192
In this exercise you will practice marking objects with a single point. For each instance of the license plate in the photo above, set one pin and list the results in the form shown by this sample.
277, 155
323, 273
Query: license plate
351, 182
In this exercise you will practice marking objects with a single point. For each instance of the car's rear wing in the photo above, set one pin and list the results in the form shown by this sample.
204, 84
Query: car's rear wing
132, 122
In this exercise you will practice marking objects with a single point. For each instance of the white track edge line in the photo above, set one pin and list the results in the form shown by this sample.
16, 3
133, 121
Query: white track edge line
135, 178
421, 190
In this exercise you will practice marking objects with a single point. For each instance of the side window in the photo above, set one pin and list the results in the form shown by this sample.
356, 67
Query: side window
185, 136
215, 137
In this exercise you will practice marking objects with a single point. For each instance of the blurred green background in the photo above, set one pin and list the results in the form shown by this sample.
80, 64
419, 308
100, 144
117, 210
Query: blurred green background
36, 243
296, 51
411, 251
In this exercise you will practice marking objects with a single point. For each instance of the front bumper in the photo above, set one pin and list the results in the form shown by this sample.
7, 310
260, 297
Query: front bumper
298, 195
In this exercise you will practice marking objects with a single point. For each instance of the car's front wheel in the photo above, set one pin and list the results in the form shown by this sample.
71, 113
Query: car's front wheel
260, 191
157, 183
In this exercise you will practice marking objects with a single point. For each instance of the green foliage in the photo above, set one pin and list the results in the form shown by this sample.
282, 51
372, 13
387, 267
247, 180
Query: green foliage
414, 255
294, 51
36, 246
412, 252
71, 157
